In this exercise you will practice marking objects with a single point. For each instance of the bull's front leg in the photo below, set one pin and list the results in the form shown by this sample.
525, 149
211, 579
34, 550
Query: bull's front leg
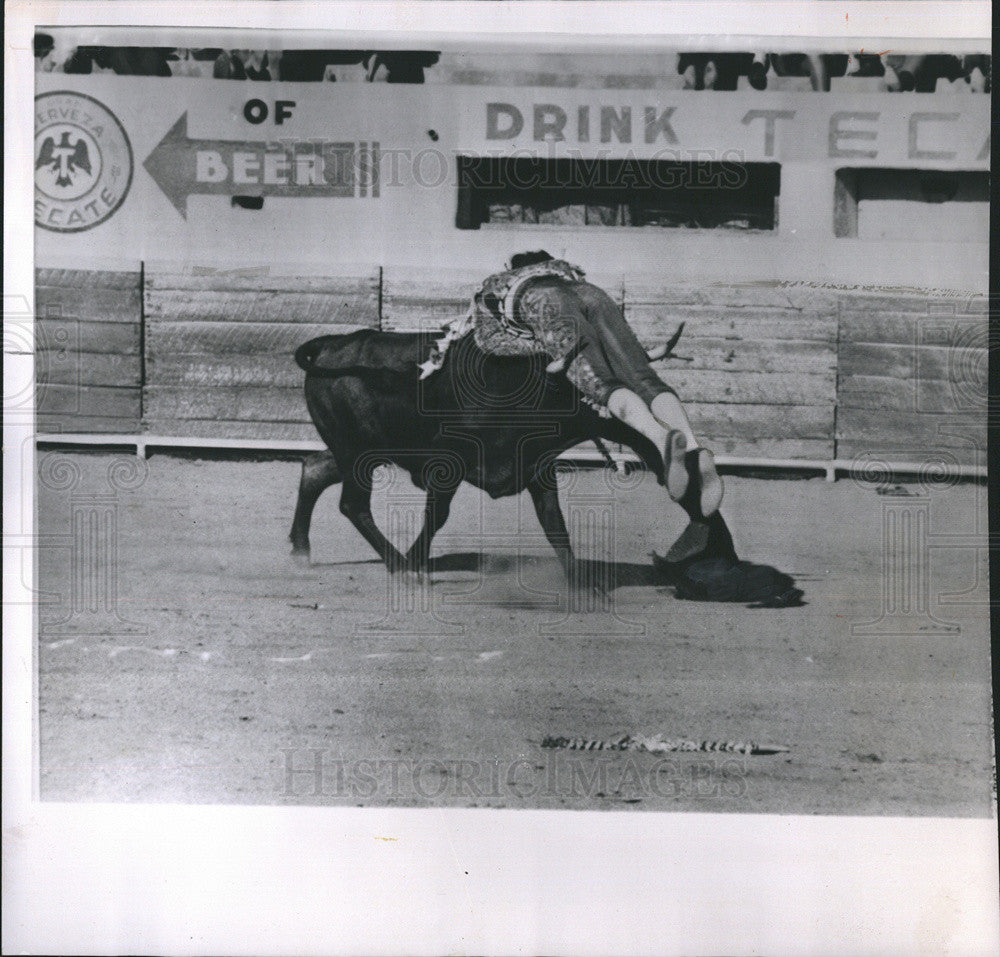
435, 515
356, 504
546, 501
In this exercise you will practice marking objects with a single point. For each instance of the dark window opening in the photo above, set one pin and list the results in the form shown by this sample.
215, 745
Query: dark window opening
625, 192
248, 202
922, 205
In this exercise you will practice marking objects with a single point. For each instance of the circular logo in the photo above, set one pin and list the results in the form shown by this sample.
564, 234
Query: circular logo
83, 162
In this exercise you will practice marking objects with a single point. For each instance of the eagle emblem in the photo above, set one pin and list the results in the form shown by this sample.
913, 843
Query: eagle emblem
64, 158
83, 161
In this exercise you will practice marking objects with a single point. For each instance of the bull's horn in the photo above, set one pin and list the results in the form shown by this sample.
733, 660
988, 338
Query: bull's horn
662, 352
675, 338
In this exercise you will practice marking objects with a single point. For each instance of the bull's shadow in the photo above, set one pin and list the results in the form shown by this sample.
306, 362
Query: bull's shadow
611, 574
702, 579
712, 579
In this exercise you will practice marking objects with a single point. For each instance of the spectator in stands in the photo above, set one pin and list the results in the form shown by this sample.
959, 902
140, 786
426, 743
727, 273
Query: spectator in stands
700, 71
187, 62
124, 61
899, 72
310, 66
149, 61
921, 73
400, 66
87, 59
976, 70
48, 59
799, 64
757, 71
761, 69
722, 71
246, 65
861, 66
864, 65
892, 82
713, 71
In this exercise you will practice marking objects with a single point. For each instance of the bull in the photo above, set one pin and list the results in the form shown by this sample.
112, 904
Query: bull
498, 423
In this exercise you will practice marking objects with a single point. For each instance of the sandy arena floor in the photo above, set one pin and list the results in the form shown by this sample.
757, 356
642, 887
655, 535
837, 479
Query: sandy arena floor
222, 672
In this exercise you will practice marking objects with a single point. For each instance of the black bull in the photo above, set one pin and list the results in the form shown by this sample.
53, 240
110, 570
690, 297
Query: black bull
497, 423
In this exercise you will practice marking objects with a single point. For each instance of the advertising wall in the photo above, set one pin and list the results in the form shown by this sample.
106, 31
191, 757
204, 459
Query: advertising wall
191, 233
369, 173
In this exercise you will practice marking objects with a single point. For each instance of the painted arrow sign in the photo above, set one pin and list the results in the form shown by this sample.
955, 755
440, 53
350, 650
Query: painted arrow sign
182, 167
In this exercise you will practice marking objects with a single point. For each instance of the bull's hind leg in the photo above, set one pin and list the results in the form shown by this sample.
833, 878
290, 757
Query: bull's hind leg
319, 472
356, 504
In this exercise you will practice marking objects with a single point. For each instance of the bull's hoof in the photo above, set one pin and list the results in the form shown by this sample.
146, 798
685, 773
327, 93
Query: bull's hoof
409, 578
588, 599
587, 581
408, 567
411, 563
301, 557
585, 591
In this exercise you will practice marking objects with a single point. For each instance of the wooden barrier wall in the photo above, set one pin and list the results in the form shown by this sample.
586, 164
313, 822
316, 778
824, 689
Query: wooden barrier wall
777, 372
219, 348
762, 382
912, 378
89, 350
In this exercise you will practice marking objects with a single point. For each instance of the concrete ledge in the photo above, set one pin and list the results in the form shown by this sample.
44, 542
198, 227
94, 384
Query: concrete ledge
142, 444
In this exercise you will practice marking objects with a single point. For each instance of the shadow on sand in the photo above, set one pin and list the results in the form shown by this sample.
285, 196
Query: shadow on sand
707, 579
